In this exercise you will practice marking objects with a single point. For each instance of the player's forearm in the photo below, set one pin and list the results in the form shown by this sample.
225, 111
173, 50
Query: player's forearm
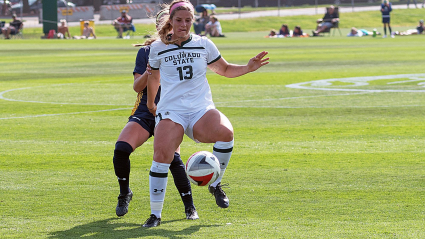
140, 82
233, 70
153, 85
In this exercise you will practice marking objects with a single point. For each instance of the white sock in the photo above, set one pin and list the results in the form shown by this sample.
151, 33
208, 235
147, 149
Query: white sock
157, 186
223, 151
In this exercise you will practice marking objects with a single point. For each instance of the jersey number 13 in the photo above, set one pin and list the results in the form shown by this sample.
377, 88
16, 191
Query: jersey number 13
185, 72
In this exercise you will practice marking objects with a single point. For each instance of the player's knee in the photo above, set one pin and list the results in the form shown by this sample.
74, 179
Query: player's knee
227, 135
123, 147
162, 155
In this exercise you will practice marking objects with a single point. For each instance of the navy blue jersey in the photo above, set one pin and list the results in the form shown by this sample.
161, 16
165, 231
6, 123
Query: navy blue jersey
140, 107
385, 10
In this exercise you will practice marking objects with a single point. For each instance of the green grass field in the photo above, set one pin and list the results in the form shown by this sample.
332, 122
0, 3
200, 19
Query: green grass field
329, 141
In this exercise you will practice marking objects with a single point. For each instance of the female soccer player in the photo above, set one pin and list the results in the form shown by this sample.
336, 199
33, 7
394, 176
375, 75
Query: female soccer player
179, 62
139, 129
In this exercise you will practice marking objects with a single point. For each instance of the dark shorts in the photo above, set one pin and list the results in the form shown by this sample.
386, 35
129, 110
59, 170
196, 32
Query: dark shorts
385, 20
147, 123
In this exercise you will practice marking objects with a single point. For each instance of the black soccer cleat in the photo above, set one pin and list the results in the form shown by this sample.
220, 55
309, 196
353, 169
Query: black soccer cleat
191, 213
123, 201
152, 221
220, 196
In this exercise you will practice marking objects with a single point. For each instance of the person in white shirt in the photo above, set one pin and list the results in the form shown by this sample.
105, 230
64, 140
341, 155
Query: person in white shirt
179, 62
213, 27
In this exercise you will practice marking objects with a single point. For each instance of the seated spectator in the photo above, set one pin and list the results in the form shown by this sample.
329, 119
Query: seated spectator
213, 27
297, 32
331, 17
88, 32
123, 23
284, 31
63, 30
14, 27
200, 22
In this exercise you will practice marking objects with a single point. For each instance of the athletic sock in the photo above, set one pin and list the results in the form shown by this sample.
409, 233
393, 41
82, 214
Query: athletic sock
157, 186
181, 181
390, 30
122, 165
223, 151
385, 30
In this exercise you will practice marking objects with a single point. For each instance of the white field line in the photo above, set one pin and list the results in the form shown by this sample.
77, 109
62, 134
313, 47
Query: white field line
289, 98
2, 97
72, 113
320, 107
229, 106
359, 82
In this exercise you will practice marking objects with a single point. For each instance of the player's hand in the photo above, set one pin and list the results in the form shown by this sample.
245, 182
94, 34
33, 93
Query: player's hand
258, 61
152, 109
149, 69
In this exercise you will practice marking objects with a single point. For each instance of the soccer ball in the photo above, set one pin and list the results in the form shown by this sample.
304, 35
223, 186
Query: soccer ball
202, 168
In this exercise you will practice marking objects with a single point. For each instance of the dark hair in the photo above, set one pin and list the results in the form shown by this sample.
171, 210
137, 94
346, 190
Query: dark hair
299, 33
285, 32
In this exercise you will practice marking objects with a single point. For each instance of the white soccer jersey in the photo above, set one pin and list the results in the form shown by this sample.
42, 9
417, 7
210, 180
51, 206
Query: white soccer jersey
184, 85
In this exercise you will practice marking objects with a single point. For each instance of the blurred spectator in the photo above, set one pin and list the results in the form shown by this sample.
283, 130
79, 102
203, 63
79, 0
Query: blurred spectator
200, 22
88, 32
272, 34
358, 33
355, 33
329, 19
63, 30
419, 30
123, 23
284, 31
297, 32
385, 10
420, 27
213, 27
14, 27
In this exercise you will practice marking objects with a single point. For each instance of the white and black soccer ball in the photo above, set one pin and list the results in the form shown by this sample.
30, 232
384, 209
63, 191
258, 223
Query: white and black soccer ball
202, 168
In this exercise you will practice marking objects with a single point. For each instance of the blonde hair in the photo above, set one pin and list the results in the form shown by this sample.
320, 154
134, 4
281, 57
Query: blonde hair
166, 27
159, 19
163, 24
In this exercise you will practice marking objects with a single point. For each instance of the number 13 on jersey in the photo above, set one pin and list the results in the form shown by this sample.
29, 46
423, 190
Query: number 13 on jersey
185, 72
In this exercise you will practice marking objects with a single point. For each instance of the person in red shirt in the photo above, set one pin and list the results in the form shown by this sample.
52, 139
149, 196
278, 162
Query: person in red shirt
123, 23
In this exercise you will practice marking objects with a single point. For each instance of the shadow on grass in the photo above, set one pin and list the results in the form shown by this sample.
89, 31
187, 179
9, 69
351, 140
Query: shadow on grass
112, 228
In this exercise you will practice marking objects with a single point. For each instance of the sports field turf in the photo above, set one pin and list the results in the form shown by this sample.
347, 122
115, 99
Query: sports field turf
340, 158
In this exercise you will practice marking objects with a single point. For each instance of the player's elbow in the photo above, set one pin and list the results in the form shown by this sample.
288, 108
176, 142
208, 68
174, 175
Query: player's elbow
137, 88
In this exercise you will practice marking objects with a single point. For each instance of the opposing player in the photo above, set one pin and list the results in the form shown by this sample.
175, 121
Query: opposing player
179, 62
138, 130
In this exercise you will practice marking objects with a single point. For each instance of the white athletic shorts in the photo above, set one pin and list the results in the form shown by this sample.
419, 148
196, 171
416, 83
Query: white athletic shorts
187, 120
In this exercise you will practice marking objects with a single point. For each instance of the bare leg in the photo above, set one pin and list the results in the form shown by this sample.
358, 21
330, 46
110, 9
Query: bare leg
7, 35
321, 29
215, 127
212, 127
